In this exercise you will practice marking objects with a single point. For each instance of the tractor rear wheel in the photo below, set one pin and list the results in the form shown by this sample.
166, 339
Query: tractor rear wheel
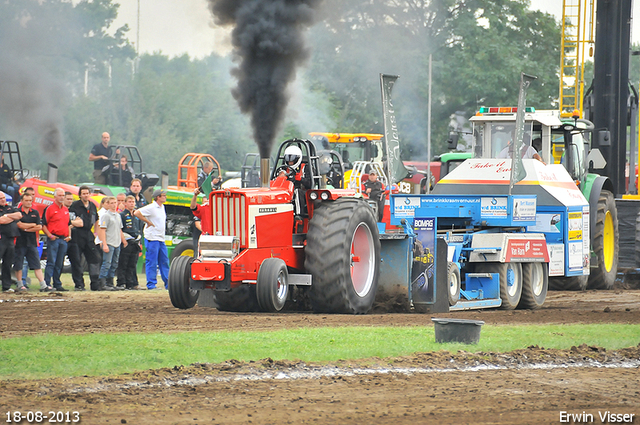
453, 278
184, 248
573, 283
510, 281
241, 299
179, 284
272, 287
605, 243
343, 257
534, 285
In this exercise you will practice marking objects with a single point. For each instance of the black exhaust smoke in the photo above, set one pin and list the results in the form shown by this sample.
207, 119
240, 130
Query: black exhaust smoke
268, 45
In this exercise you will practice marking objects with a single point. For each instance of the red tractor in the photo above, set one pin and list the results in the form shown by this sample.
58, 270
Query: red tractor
263, 241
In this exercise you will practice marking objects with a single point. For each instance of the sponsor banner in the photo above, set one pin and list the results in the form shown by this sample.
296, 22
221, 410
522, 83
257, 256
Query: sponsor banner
46, 191
556, 259
494, 207
524, 209
575, 226
524, 250
396, 168
586, 239
575, 255
405, 206
423, 270
547, 223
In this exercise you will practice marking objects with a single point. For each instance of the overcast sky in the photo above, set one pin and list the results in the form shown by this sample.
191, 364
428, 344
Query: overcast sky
175, 27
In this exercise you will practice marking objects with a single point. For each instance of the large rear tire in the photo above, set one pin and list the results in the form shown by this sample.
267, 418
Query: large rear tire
605, 243
510, 281
535, 282
343, 256
241, 299
179, 284
272, 287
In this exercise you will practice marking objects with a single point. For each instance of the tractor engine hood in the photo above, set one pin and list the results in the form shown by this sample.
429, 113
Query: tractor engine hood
551, 184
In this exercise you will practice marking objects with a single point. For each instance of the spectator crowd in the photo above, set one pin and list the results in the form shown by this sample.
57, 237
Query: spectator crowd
106, 240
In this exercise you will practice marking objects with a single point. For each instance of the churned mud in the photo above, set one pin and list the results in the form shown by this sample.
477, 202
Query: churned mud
534, 385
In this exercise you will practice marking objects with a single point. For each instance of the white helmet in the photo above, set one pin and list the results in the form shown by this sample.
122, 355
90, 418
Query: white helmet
293, 154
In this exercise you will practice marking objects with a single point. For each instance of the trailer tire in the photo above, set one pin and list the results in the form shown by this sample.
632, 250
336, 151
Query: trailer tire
240, 300
573, 283
453, 279
272, 286
605, 243
535, 282
343, 256
180, 293
510, 281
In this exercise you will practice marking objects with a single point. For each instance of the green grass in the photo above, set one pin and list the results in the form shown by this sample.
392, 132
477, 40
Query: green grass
43, 356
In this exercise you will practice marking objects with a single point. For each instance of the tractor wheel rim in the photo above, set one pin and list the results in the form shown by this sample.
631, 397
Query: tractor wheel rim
187, 253
281, 291
454, 284
608, 241
512, 285
538, 279
362, 260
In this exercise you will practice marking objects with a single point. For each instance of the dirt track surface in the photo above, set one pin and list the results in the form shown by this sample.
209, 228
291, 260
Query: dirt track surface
529, 386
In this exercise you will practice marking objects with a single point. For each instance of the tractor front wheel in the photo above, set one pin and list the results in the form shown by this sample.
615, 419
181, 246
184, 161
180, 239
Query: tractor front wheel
182, 296
272, 286
605, 243
343, 256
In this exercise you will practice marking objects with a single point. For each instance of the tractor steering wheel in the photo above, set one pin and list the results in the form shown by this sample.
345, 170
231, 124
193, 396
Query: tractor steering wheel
289, 172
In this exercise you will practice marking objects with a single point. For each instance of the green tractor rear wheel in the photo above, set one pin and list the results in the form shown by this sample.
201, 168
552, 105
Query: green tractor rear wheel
605, 243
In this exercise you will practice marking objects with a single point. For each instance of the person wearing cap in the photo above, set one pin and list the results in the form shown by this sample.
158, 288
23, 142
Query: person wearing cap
154, 217
374, 189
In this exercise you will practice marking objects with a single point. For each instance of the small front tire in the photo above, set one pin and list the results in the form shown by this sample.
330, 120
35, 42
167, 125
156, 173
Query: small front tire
180, 292
272, 286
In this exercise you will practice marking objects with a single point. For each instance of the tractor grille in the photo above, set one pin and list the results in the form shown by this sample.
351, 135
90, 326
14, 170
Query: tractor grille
230, 216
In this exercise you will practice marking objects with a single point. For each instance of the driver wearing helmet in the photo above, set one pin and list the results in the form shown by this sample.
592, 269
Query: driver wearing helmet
297, 171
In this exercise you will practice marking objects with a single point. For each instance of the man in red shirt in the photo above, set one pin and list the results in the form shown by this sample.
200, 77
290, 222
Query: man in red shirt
56, 225
202, 212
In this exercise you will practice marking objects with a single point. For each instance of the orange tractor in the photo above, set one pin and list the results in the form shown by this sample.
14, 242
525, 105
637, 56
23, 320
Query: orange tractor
265, 241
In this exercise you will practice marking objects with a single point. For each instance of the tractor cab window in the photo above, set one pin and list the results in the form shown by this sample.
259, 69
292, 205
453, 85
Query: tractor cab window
492, 139
351, 152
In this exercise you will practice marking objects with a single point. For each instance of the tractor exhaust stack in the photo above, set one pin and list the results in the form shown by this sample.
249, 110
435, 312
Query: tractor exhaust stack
52, 173
264, 172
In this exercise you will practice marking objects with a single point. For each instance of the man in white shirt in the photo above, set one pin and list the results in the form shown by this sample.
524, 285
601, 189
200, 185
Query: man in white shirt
154, 217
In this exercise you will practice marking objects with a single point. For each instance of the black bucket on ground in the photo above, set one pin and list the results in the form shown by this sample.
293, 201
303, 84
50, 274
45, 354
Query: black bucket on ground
457, 330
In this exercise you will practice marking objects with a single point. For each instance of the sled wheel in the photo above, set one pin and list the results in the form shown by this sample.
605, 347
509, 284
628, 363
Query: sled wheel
510, 281
453, 278
534, 285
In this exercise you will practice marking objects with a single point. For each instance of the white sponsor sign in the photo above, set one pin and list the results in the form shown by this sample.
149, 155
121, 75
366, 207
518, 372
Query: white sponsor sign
524, 209
405, 206
494, 207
